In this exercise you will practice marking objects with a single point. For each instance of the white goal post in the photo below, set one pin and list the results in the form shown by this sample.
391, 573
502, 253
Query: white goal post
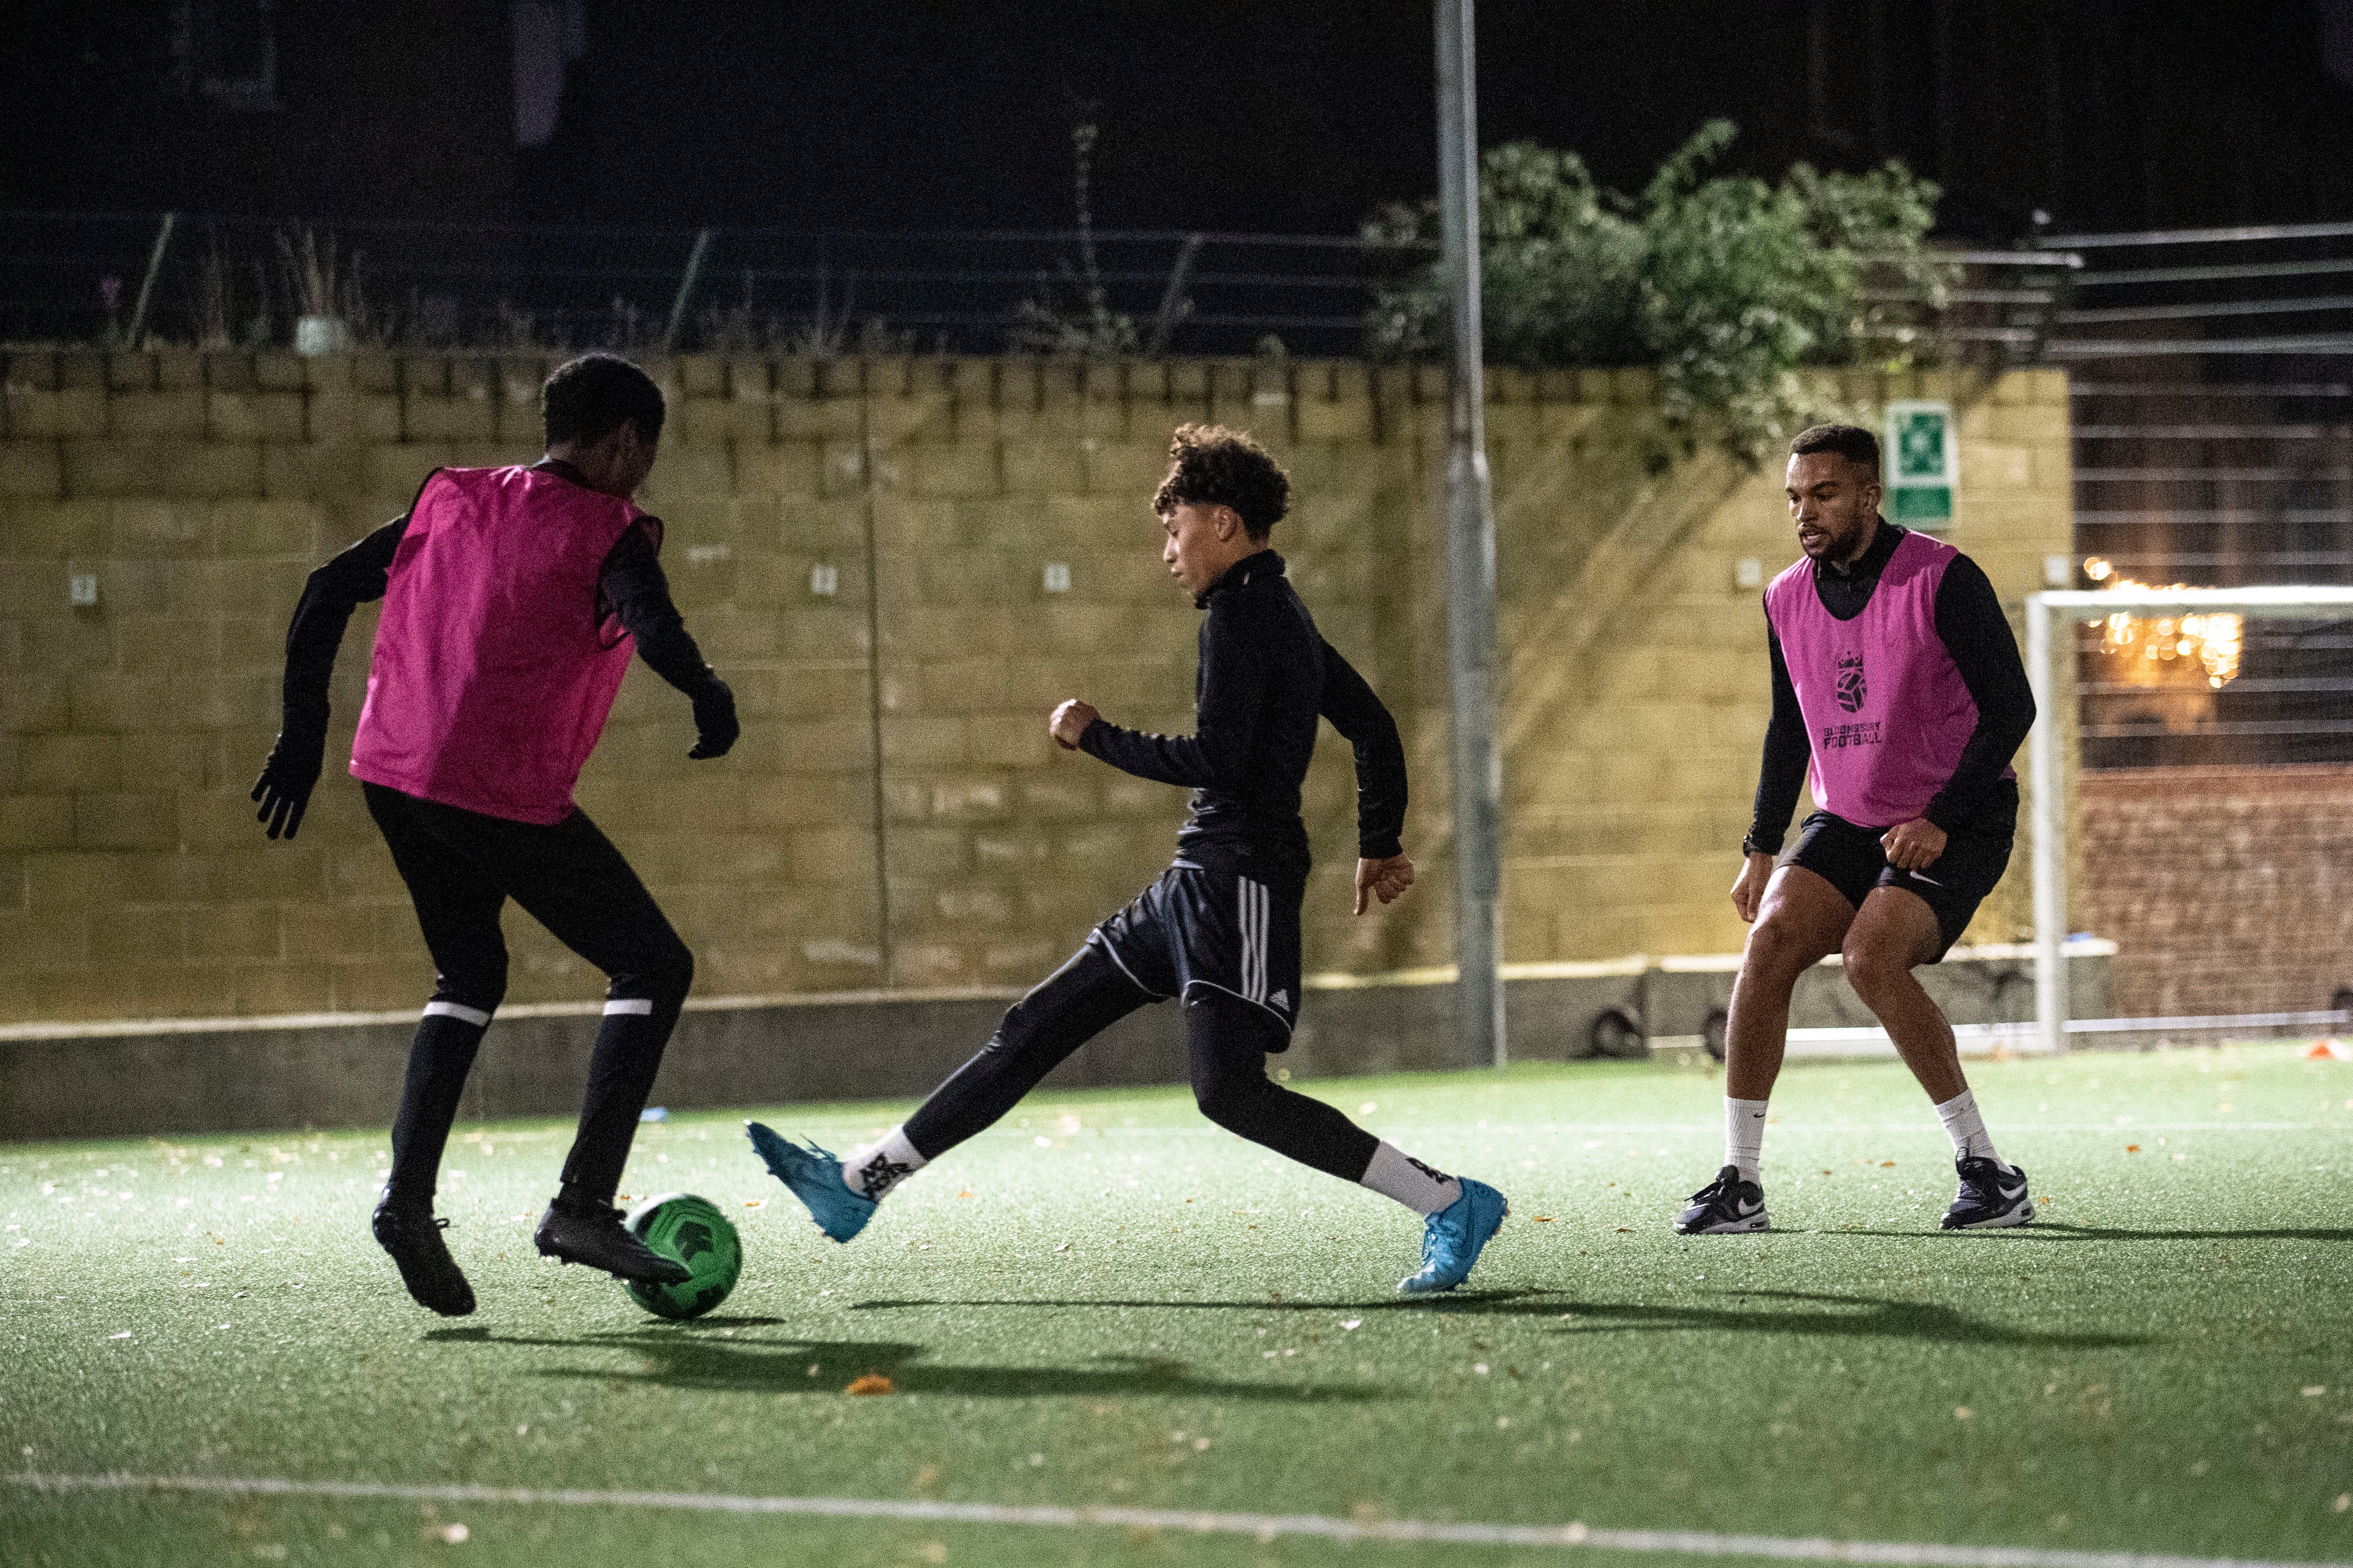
2045, 613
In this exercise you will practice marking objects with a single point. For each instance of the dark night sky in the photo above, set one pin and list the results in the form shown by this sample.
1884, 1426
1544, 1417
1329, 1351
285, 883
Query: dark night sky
1228, 115
1301, 117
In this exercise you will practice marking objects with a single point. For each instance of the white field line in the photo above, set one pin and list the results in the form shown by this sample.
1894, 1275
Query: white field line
1259, 1526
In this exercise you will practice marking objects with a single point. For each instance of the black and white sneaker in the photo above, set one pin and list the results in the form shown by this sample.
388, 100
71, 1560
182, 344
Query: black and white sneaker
1726, 1206
1992, 1195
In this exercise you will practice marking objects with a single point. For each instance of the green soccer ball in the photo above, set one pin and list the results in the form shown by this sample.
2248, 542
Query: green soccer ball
693, 1231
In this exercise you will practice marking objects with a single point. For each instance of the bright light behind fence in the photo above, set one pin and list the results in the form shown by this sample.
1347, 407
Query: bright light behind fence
2165, 649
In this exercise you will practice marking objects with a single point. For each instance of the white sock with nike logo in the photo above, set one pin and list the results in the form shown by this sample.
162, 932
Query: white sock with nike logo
1967, 1128
1744, 1135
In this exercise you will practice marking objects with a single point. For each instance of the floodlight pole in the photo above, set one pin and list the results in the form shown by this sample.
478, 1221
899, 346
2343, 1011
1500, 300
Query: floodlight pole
1471, 558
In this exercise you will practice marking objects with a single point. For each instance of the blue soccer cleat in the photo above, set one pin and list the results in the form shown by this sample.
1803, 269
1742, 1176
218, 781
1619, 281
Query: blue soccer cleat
1453, 1238
814, 1177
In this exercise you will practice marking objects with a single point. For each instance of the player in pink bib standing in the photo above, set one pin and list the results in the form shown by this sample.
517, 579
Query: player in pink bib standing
1896, 676
514, 599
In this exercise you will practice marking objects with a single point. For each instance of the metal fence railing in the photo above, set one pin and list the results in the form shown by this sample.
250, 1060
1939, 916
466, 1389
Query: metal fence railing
121, 278
228, 282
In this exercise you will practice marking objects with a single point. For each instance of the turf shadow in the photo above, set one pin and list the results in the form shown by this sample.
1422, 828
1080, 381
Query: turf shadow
1856, 1317
2054, 1230
1863, 1316
822, 1366
1466, 1302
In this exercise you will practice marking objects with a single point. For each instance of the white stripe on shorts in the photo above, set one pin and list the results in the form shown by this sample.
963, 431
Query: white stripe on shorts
458, 1011
1253, 902
629, 1005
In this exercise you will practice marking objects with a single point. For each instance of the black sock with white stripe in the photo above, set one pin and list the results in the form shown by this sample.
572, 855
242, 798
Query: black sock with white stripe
620, 1076
438, 1060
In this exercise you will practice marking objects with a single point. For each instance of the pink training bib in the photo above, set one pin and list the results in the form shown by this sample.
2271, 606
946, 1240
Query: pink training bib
1887, 713
494, 672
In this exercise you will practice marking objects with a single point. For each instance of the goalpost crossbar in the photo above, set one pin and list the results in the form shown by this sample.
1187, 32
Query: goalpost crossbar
2045, 613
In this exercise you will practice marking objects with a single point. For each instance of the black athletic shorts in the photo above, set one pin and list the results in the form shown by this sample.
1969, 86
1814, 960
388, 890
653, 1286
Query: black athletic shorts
1850, 858
1198, 926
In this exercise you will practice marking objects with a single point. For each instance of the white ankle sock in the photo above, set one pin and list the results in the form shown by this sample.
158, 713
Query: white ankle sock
880, 1165
1394, 1173
1744, 1134
1967, 1128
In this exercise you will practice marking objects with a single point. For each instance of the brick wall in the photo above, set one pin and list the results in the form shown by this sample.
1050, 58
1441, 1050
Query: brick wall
2226, 889
201, 488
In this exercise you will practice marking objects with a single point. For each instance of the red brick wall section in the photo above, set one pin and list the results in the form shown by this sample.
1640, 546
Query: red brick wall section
2227, 889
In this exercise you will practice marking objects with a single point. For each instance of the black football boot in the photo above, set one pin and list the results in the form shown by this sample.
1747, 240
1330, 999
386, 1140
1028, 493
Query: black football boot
407, 1229
593, 1236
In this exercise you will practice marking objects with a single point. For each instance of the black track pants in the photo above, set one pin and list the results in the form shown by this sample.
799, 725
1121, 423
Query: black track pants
1228, 1040
461, 867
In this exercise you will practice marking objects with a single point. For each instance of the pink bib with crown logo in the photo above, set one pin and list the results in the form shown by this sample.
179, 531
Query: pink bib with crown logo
1887, 713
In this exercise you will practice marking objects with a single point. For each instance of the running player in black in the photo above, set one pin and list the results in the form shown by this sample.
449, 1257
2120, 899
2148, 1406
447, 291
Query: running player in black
514, 599
1219, 931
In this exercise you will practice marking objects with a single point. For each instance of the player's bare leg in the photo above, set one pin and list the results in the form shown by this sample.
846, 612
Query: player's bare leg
1803, 922
1800, 920
1891, 933
1895, 932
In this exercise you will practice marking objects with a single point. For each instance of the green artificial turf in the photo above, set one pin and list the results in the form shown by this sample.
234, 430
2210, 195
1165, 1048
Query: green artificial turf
1105, 1300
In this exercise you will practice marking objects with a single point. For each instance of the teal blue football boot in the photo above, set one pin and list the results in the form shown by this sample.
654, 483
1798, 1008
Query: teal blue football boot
1453, 1238
814, 1177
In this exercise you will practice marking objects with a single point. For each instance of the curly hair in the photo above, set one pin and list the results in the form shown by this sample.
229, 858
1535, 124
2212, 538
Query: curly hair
1212, 466
589, 395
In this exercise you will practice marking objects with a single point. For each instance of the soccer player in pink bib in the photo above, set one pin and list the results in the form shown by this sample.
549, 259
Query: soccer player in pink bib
513, 600
1896, 678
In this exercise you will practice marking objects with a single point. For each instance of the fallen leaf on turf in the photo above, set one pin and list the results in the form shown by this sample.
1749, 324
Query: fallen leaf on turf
1544, 1219
2132, 1148
1625, 1230
872, 1383
968, 1192
1885, 1164
756, 1203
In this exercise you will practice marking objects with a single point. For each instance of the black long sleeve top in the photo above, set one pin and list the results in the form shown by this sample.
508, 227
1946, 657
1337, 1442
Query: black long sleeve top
631, 584
1976, 634
1266, 677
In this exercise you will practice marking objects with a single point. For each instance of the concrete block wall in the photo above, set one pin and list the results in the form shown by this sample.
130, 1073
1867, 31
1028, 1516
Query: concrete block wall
201, 488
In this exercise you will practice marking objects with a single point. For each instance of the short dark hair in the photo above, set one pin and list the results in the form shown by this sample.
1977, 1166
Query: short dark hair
1212, 466
588, 396
1852, 442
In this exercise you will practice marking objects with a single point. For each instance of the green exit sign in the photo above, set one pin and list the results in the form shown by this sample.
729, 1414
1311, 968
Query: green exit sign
1923, 464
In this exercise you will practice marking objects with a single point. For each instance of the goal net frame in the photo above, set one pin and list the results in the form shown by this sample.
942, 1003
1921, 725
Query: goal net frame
2045, 612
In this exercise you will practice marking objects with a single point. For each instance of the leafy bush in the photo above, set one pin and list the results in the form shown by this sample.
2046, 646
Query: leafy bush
1726, 285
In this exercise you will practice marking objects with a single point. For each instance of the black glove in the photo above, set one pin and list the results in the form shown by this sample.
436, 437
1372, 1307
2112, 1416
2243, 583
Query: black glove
287, 780
714, 720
